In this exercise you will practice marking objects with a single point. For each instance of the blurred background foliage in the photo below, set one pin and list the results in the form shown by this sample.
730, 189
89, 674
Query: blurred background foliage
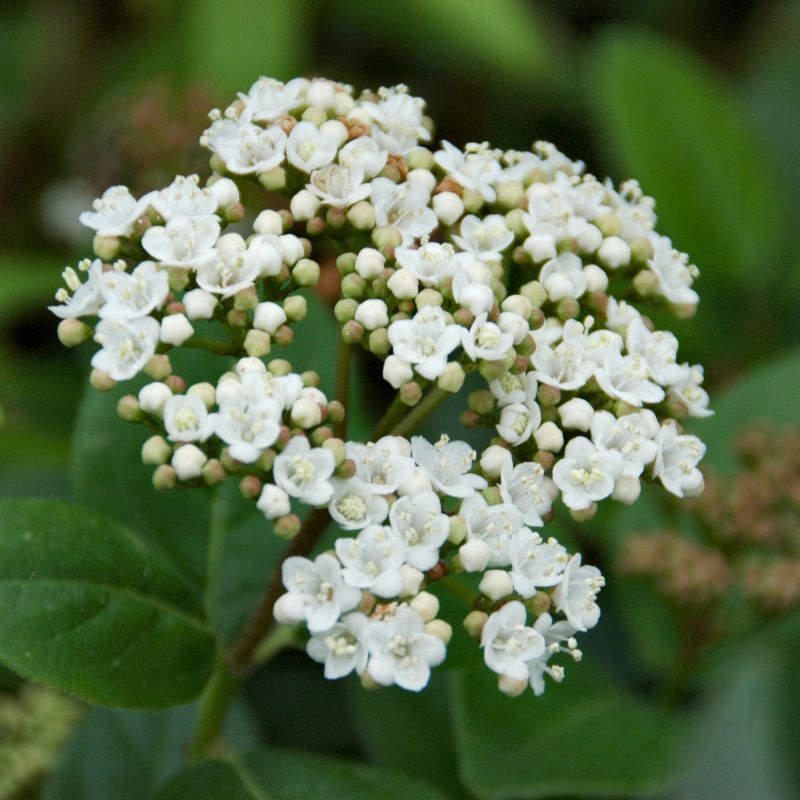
698, 100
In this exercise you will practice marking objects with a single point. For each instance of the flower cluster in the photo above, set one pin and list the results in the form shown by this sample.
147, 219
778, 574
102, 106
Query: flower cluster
507, 269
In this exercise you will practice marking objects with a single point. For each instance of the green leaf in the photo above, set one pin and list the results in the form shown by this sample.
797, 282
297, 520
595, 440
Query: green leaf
217, 51
285, 775
767, 393
90, 609
585, 737
668, 120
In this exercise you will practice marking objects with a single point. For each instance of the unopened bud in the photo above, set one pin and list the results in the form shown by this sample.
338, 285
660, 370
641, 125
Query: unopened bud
426, 605
452, 378
306, 272
352, 332
106, 247
72, 332
128, 409
412, 580
295, 308
257, 343
156, 450
511, 687
245, 299
337, 447
213, 473
410, 393
250, 487
287, 526
584, 514
496, 584
474, 622
101, 381
474, 555
274, 179
164, 478
158, 367
188, 461
440, 629
361, 216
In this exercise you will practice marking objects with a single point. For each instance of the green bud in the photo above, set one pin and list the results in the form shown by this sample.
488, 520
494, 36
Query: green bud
176, 384
335, 218
347, 469
295, 308
178, 278
283, 336
229, 463
646, 283
213, 473
315, 114
257, 343
336, 412
482, 402
352, 332
474, 622
321, 435
386, 236
279, 367
217, 164
306, 272
473, 200
158, 367
311, 379
316, 226
128, 408
287, 527
535, 292
234, 212
266, 460
642, 249
568, 308
420, 158
458, 529
548, 395
494, 370
237, 319
464, 317
353, 286
273, 180
509, 193
526, 346
346, 263
492, 495
345, 310
245, 299
452, 378
585, 514
156, 450
164, 478
337, 447
362, 216
429, 297
250, 487
469, 419
379, 342
610, 224
538, 604
72, 332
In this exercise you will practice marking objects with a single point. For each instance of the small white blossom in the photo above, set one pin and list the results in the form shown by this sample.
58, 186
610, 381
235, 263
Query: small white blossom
677, 459
576, 594
186, 242
554, 634
340, 648
372, 560
628, 378
135, 294
508, 643
404, 206
419, 520
425, 340
475, 168
586, 474
525, 487
355, 506
432, 262
486, 238
687, 390
126, 345
494, 525
339, 186
365, 154
518, 421
304, 472
565, 366
309, 149
448, 465
115, 212
186, 419
86, 298
185, 198
269, 99
674, 272
383, 465
633, 436
535, 564
563, 277
485, 340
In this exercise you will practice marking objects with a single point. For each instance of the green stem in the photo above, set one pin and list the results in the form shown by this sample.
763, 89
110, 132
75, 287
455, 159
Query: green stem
342, 390
212, 346
261, 620
214, 704
392, 416
411, 421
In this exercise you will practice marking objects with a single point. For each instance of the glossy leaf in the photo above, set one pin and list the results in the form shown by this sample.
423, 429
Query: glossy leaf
584, 737
90, 609
285, 775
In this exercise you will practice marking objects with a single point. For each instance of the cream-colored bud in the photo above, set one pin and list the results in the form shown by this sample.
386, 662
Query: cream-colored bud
496, 584
549, 436
156, 450
188, 462
576, 414
440, 629
474, 555
426, 605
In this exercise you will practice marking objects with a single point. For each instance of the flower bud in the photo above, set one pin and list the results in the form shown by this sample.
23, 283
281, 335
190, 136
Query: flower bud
225, 192
369, 263
372, 314
128, 409
614, 252
540, 247
386, 237
347, 469
337, 447
353, 286
627, 489
412, 580
188, 461
452, 377
257, 343
474, 555
287, 526
596, 278
199, 304
158, 367
250, 487
101, 381
156, 450
72, 332
352, 332
345, 309
152, 398
175, 384
293, 248
279, 367
245, 299
403, 285
306, 272
164, 478
585, 514
410, 393
289, 609
474, 622
429, 297
361, 216
273, 502
492, 460
426, 605
273, 180
306, 413
268, 317
448, 207
175, 329
213, 473
511, 687
458, 529
295, 308
440, 629
576, 414
535, 293
304, 205
397, 372
496, 584
549, 436
378, 342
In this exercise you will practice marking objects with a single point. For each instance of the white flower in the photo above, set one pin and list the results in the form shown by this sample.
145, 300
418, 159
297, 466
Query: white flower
485, 340
688, 391
659, 349
354, 505
633, 436
365, 154
340, 648
563, 276
586, 474
183, 242
383, 465
508, 643
115, 212
372, 560
576, 595
599, 343
127, 345
246, 149
554, 635
475, 168
131, 295
398, 116
486, 237
309, 149
627, 377
404, 206
425, 340
269, 99
620, 314
305, 472
187, 419
535, 564
401, 652
432, 262
524, 486
419, 520
493, 525
674, 272
339, 186
677, 459
185, 198
565, 366
273, 502
517, 422
447, 464
316, 592
234, 267
86, 298
512, 388
248, 427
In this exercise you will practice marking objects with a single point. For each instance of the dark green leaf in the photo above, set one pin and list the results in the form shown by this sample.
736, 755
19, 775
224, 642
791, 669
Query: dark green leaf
285, 775
669, 121
584, 737
89, 608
